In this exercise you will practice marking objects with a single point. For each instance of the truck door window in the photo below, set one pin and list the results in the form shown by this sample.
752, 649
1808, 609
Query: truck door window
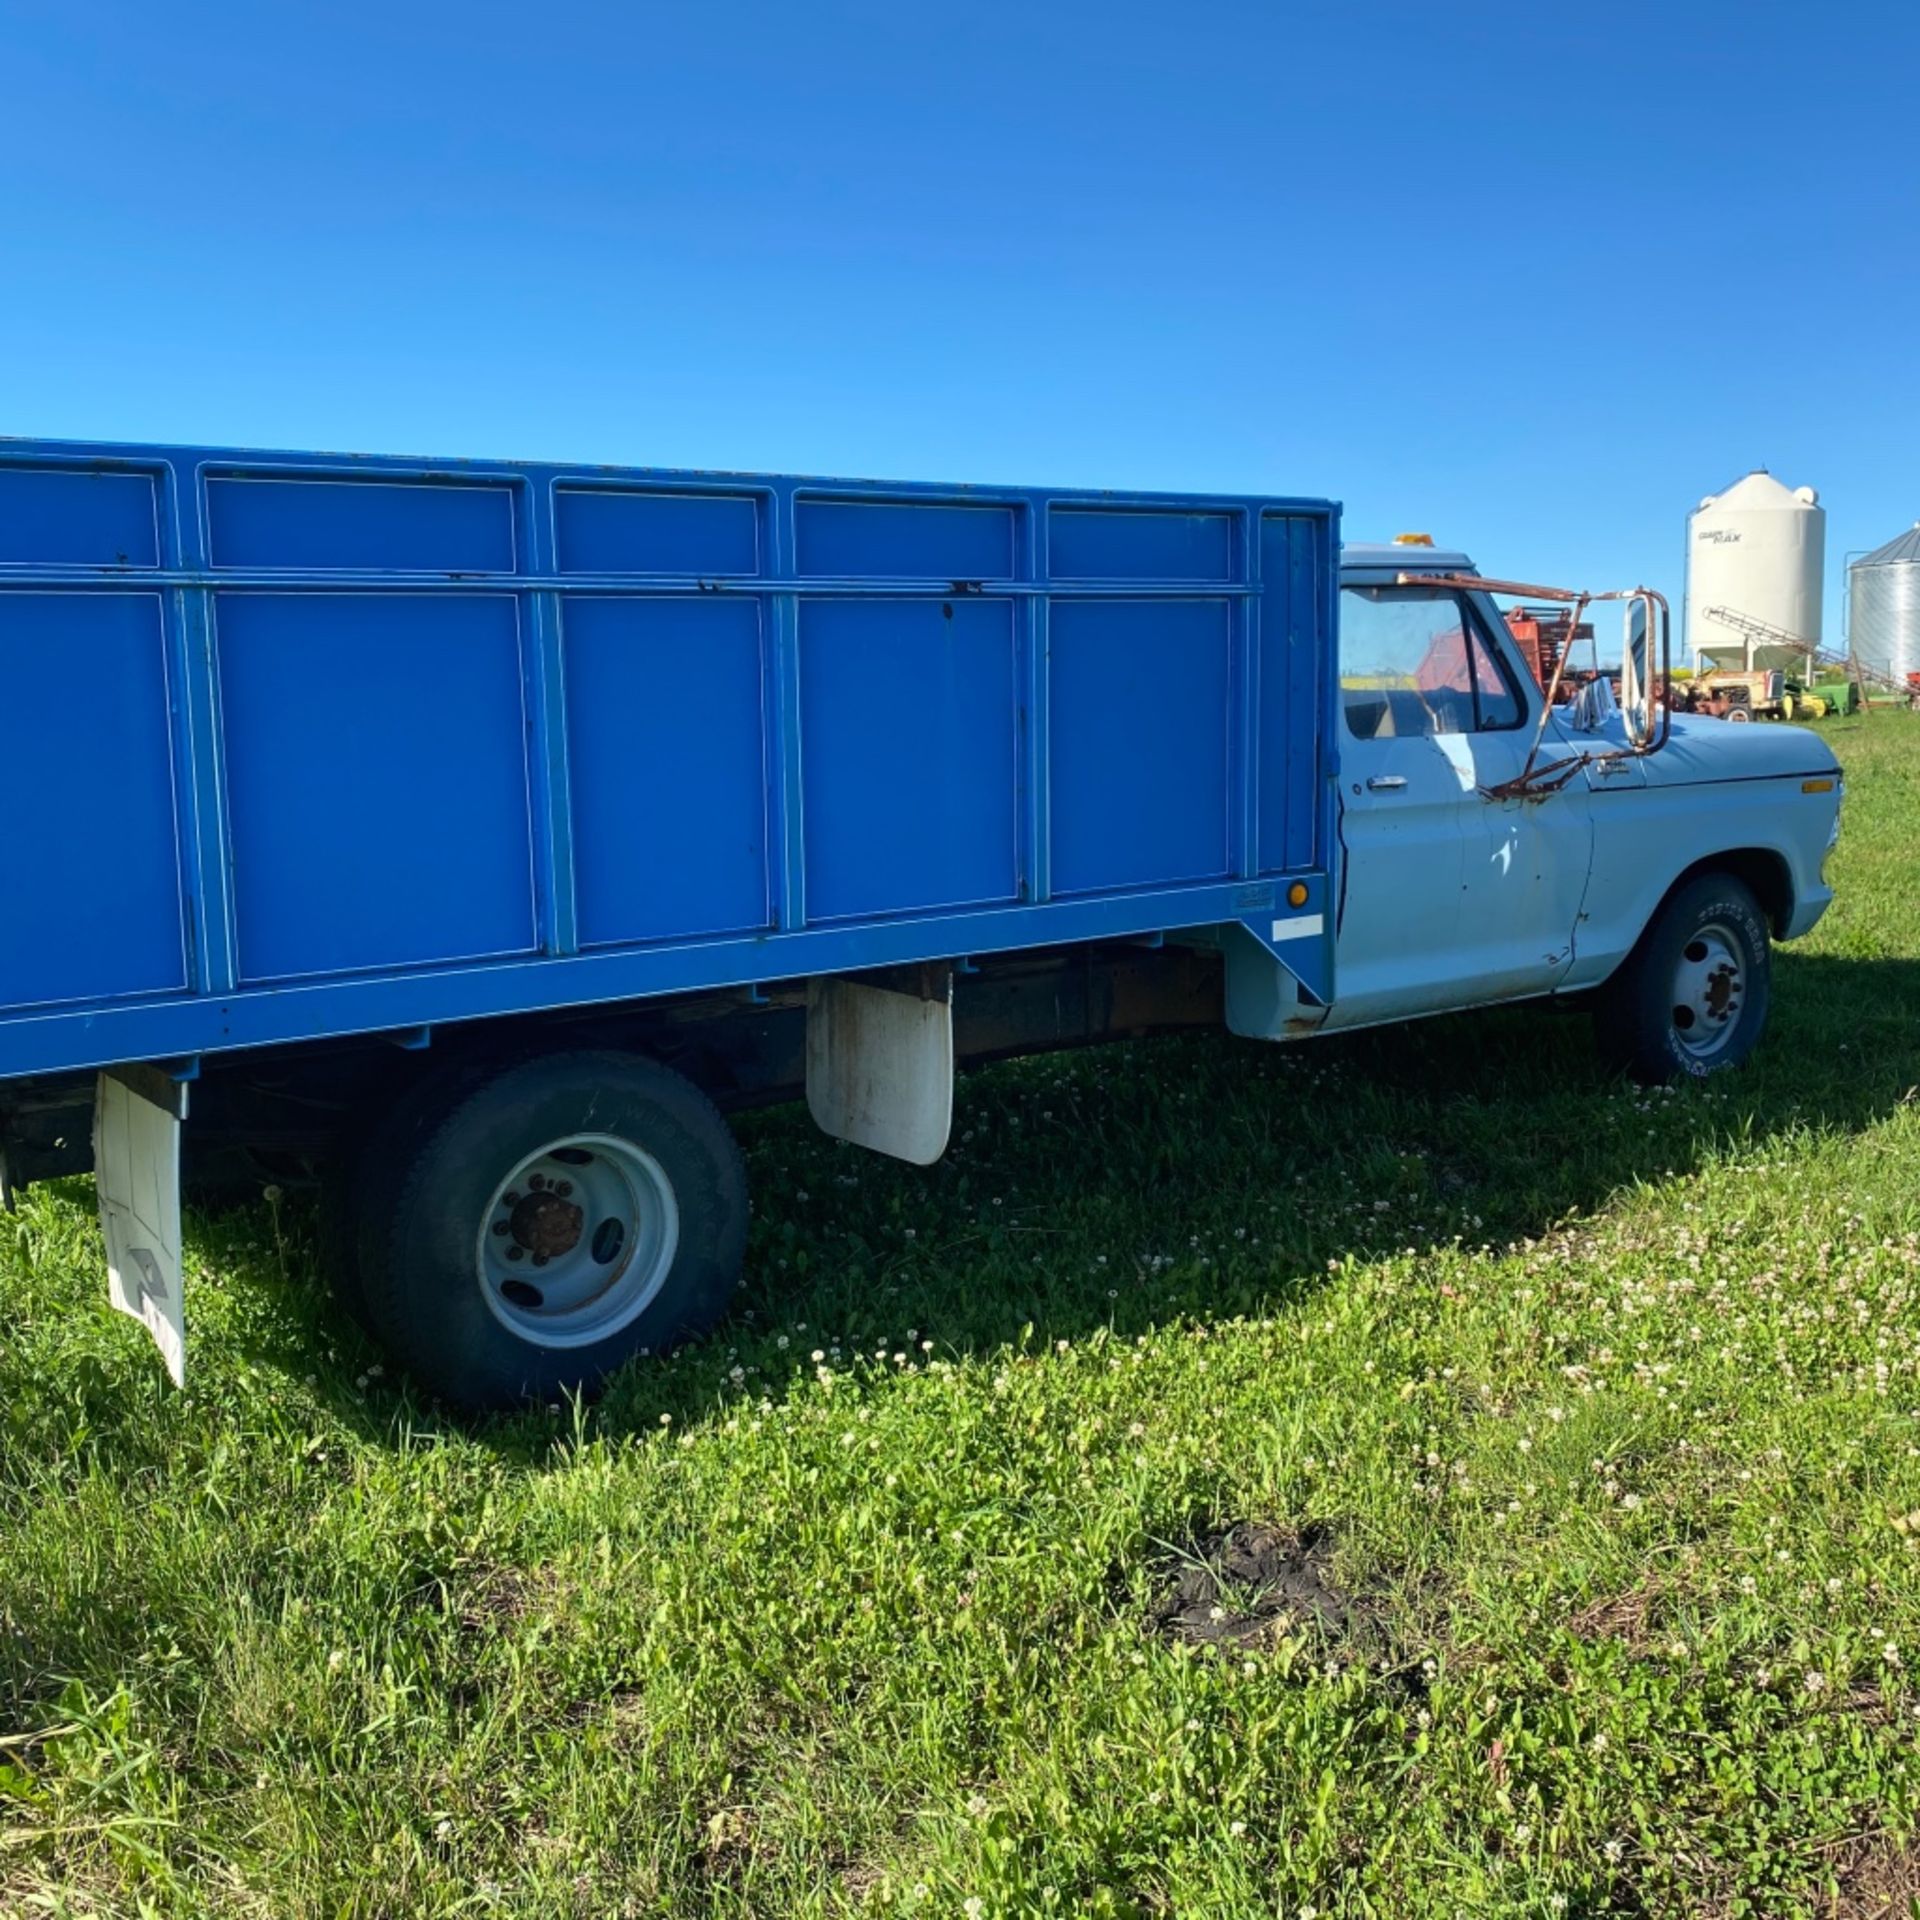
1414, 661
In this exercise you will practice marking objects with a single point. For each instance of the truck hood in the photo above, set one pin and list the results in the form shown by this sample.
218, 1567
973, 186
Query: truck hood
1702, 751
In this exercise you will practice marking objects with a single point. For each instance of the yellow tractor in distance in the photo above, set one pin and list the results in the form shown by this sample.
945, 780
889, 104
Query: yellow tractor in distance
1761, 694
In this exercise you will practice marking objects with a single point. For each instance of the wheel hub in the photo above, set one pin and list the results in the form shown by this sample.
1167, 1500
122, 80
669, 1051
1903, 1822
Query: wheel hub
546, 1225
577, 1240
1721, 984
1708, 990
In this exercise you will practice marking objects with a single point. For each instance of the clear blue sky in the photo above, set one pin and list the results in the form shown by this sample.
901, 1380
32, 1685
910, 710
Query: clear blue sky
1534, 277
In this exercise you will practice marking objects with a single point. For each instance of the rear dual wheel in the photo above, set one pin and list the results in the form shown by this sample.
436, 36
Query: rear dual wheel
519, 1232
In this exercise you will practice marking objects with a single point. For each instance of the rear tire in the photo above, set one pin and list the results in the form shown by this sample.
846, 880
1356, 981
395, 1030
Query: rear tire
523, 1232
364, 1180
1693, 996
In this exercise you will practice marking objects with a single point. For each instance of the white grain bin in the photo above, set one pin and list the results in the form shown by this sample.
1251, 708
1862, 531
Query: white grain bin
1758, 550
1883, 607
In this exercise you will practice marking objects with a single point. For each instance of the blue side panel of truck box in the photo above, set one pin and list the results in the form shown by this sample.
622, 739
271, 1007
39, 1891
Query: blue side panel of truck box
309, 745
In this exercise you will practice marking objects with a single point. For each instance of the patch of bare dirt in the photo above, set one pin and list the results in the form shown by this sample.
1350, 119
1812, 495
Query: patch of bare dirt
727, 1844
1875, 1880
1250, 1584
1625, 1617
495, 1599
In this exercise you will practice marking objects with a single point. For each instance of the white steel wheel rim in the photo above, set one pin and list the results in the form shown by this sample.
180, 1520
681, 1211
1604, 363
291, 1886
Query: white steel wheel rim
577, 1241
1709, 990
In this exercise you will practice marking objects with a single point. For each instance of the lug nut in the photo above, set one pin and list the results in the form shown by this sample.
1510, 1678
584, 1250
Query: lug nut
539, 1259
501, 1228
509, 1199
563, 1188
516, 1253
537, 1181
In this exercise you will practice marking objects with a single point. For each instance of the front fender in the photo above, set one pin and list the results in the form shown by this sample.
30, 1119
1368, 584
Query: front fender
1759, 801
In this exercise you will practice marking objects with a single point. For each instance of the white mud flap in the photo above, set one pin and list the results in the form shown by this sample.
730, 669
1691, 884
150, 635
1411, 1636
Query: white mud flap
137, 1115
880, 1062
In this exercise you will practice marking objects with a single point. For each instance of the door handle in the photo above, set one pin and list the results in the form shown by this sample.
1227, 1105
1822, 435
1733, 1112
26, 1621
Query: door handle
1386, 782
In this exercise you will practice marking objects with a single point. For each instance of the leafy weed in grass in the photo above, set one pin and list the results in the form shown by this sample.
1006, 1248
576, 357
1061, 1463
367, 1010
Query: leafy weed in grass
1612, 1396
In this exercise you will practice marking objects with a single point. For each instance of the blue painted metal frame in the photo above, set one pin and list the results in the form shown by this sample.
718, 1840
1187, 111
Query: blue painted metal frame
1277, 760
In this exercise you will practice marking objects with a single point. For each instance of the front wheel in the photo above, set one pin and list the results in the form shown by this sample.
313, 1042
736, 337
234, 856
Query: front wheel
1693, 996
533, 1228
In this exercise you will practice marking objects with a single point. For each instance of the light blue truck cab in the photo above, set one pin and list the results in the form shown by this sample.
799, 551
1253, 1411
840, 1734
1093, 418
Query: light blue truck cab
1454, 896
464, 838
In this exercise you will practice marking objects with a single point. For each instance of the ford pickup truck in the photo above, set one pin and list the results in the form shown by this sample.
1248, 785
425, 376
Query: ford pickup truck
468, 837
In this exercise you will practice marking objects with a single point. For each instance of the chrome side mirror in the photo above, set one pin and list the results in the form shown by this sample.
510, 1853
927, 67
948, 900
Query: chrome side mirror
1646, 670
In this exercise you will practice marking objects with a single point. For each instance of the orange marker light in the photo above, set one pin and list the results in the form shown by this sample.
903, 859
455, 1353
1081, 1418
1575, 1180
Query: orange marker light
1297, 894
1816, 786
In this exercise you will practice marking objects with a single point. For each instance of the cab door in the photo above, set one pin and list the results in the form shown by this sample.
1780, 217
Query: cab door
1452, 899
1529, 861
1403, 777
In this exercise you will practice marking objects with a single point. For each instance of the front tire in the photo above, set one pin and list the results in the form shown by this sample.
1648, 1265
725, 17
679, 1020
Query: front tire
1693, 997
532, 1228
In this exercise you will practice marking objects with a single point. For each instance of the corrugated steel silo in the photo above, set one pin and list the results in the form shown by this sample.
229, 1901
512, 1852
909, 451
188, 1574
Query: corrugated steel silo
1883, 606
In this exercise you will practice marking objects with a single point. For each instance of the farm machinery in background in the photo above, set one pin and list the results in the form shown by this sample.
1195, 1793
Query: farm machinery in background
1544, 635
1778, 675
1773, 675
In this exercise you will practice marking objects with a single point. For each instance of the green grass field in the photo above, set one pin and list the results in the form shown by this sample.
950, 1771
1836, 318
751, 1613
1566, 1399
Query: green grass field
1596, 1411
